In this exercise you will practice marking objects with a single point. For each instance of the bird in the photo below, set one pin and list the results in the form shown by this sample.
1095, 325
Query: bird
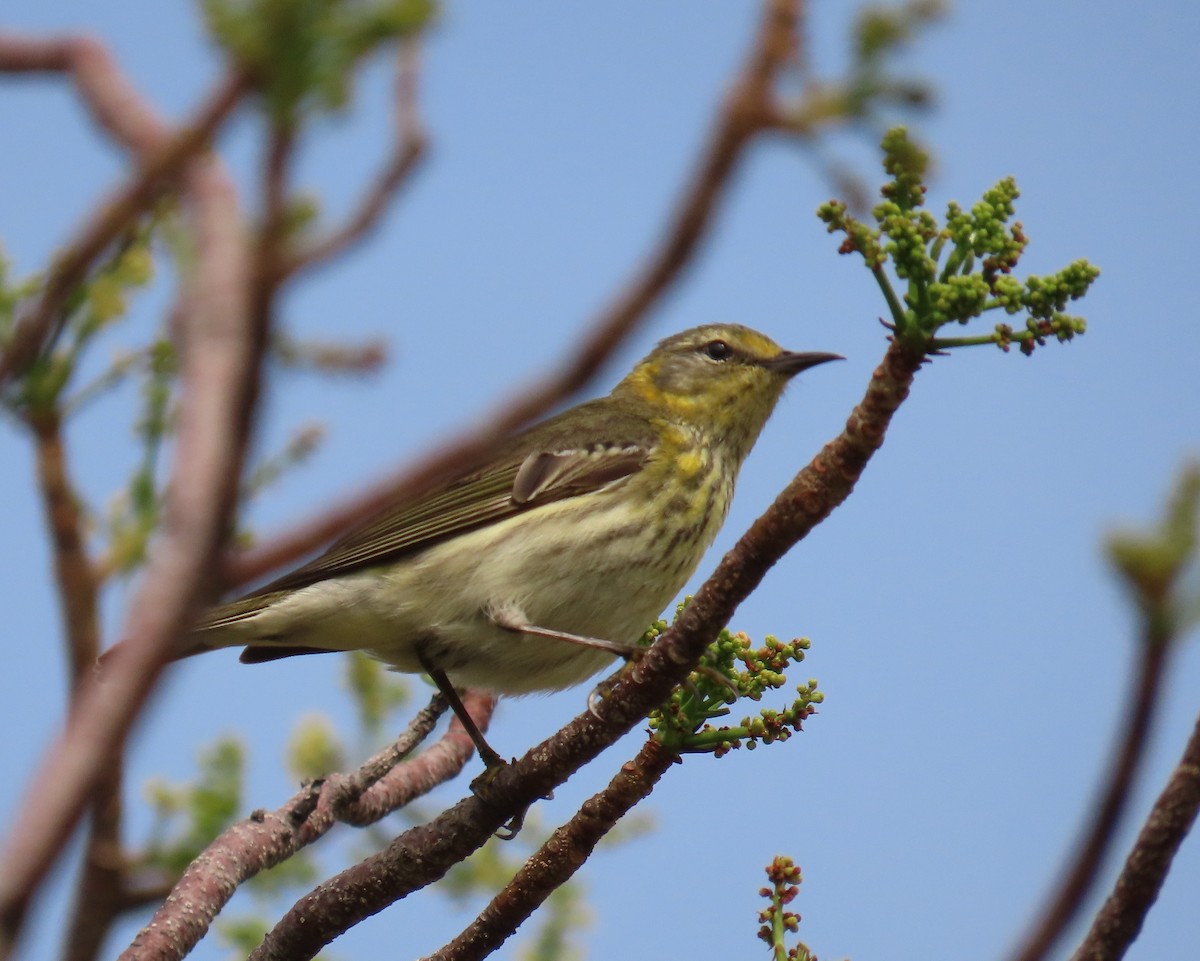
540, 567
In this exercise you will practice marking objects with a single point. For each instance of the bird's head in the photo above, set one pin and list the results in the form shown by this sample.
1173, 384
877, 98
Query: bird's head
720, 379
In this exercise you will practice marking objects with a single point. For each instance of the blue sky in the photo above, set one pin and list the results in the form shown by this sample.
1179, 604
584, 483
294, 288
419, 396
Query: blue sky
972, 645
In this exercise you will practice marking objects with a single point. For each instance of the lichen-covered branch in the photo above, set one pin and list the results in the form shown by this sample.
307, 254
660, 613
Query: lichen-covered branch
382, 785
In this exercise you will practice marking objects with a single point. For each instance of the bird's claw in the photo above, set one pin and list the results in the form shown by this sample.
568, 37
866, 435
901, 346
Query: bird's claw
596, 697
512, 827
492, 767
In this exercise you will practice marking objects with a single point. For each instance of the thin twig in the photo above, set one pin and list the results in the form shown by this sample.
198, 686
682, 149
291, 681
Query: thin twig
407, 151
41, 322
115, 105
749, 109
1078, 882
78, 584
272, 234
382, 785
423, 854
1120, 919
99, 890
100, 895
557, 860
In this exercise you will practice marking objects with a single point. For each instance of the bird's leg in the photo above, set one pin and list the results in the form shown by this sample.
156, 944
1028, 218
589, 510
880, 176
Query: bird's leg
512, 620
486, 754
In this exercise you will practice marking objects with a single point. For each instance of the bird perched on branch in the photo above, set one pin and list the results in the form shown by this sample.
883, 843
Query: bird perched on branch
535, 570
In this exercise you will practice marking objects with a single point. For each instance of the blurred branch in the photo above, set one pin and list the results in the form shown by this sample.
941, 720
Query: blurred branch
407, 151
1120, 919
382, 785
77, 581
424, 853
328, 357
1097, 841
750, 108
1151, 565
564, 852
115, 105
161, 153
98, 893
221, 353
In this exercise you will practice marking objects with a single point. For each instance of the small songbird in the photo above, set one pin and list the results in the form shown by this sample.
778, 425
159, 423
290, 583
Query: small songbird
535, 570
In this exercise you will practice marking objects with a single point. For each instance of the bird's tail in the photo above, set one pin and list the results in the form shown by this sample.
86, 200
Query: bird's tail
193, 642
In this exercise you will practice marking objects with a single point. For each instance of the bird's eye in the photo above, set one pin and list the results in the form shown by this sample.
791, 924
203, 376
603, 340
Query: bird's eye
717, 350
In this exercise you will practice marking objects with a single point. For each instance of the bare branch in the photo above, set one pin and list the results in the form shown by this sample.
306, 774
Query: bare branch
115, 105
162, 154
749, 109
1173, 814
407, 151
1079, 880
423, 854
78, 583
379, 787
101, 880
564, 853
220, 354
100, 891
120, 110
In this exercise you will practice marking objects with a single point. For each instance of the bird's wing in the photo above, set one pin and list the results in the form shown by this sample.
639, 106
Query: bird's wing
535, 469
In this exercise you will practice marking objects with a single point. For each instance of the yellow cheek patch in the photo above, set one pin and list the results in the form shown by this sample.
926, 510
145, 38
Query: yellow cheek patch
689, 464
654, 395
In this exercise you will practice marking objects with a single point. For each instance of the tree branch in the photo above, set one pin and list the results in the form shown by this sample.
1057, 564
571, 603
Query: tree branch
564, 853
407, 151
161, 156
78, 583
99, 890
381, 786
162, 153
1077, 882
1173, 814
113, 102
220, 359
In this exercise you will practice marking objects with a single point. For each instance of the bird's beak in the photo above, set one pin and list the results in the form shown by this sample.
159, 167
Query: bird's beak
790, 363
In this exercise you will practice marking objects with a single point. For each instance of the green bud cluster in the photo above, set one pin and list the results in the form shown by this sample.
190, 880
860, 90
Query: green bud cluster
1158, 565
187, 817
731, 670
13, 292
302, 52
775, 921
957, 271
91, 309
